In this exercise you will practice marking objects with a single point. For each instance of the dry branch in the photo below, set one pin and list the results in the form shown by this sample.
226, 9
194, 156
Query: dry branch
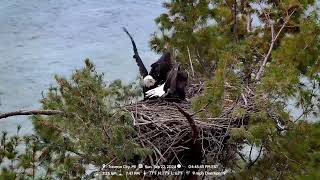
273, 40
194, 128
190, 60
31, 112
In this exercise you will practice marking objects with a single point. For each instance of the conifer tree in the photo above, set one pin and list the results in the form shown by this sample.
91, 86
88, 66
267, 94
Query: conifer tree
92, 130
262, 53
265, 53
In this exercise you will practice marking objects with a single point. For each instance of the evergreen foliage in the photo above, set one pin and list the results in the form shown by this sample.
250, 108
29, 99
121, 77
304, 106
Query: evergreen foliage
265, 53
93, 132
294, 155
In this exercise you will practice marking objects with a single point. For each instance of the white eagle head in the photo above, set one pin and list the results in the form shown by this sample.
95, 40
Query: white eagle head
149, 81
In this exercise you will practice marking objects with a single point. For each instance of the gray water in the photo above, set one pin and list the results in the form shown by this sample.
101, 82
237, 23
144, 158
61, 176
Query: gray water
41, 38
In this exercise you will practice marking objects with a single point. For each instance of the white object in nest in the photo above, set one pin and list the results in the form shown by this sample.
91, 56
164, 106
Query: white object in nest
156, 92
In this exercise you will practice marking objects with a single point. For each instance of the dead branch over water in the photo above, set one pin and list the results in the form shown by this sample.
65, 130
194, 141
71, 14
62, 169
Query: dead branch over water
31, 112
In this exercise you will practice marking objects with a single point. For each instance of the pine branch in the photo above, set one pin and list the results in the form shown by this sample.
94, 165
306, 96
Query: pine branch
31, 112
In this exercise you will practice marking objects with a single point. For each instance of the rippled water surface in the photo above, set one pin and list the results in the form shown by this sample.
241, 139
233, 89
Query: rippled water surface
41, 38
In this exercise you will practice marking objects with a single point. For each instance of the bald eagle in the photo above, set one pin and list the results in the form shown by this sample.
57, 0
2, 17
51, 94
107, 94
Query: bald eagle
159, 70
174, 86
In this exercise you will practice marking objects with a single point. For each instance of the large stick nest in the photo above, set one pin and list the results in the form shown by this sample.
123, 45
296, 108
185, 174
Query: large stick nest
177, 135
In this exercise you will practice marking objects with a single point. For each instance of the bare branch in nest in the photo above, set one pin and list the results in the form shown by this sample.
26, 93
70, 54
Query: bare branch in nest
31, 112
194, 128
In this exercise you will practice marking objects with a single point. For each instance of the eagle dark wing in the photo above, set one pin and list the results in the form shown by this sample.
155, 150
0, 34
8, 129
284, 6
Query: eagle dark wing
171, 82
161, 68
142, 68
164, 59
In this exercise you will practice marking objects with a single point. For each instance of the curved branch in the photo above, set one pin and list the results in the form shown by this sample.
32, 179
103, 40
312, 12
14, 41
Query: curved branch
194, 127
31, 112
253, 162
